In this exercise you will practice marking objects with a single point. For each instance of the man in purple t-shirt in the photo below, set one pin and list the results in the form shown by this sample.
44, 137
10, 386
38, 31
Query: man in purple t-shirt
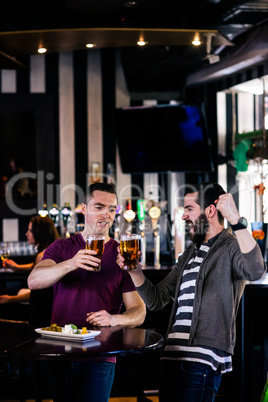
84, 297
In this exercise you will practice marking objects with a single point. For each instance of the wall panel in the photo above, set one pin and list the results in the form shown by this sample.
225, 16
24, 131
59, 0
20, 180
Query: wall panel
66, 129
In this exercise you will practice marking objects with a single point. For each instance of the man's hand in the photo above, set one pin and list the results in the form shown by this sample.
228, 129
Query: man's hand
226, 205
120, 259
101, 319
85, 259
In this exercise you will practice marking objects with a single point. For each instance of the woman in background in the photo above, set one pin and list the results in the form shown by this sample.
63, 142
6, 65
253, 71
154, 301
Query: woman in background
41, 233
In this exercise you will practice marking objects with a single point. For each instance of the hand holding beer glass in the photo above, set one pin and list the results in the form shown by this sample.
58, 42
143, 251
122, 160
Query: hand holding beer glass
129, 249
96, 242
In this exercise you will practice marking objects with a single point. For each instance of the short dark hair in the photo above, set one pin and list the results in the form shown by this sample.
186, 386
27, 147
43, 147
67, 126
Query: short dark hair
105, 187
207, 193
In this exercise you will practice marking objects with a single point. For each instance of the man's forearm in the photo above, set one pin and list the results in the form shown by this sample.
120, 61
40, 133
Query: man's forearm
245, 240
46, 273
137, 276
133, 317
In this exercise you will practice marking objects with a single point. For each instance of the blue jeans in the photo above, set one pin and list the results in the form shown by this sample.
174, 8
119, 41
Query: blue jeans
81, 381
185, 381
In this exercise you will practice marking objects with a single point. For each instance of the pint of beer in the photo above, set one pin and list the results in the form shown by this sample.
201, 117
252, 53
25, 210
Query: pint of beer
129, 247
96, 243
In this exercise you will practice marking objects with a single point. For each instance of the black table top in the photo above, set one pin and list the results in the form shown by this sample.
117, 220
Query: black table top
24, 342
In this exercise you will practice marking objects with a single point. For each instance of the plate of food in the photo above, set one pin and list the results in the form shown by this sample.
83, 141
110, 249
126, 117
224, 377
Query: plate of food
69, 332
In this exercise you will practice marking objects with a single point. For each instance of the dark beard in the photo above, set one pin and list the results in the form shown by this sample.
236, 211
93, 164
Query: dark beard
201, 227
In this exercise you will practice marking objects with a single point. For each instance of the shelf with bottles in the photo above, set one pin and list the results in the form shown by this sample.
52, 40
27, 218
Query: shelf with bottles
19, 248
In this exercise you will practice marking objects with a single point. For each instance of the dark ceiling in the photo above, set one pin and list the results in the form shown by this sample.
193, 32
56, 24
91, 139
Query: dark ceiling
161, 68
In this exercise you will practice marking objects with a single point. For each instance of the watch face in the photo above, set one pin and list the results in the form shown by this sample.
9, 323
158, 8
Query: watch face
243, 222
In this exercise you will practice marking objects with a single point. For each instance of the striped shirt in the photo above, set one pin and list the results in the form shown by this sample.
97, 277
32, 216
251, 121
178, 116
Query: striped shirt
177, 343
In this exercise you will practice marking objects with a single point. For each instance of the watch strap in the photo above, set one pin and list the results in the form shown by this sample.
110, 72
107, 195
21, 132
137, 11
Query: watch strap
241, 224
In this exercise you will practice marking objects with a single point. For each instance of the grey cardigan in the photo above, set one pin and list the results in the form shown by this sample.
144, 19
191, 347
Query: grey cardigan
219, 288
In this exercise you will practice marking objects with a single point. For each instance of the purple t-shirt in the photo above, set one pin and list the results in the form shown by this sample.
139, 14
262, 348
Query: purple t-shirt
81, 291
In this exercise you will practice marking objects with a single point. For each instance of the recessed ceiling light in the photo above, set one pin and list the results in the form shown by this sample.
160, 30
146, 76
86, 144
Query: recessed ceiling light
141, 42
42, 50
196, 41
90, 45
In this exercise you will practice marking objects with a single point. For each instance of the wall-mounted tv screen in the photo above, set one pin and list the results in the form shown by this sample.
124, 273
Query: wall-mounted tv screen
163, 138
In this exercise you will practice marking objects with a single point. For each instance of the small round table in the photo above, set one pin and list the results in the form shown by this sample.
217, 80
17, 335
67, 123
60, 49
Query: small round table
23, 343
112, 341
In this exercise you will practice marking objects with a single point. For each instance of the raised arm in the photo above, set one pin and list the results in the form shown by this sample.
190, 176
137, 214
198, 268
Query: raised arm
227, 207
47, 272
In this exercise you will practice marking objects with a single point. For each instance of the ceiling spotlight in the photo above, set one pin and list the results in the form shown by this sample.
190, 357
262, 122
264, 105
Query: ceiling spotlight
196, 41
42, 50
90, 45
141, 41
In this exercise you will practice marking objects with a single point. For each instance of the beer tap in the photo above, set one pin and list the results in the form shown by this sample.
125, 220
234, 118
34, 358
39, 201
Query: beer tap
129, 215
141, 217
43, 212
117, 222
79, 219
54, 214
154, 213
66, 215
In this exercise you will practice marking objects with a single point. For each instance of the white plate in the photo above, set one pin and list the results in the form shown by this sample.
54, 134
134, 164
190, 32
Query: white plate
69, 346
68, 337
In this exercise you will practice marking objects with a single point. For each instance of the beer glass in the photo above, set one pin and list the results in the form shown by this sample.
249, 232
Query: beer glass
5, 253
129, 247
96, 242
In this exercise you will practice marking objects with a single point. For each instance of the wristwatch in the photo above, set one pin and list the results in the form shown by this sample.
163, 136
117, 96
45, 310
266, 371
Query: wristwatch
241, 224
